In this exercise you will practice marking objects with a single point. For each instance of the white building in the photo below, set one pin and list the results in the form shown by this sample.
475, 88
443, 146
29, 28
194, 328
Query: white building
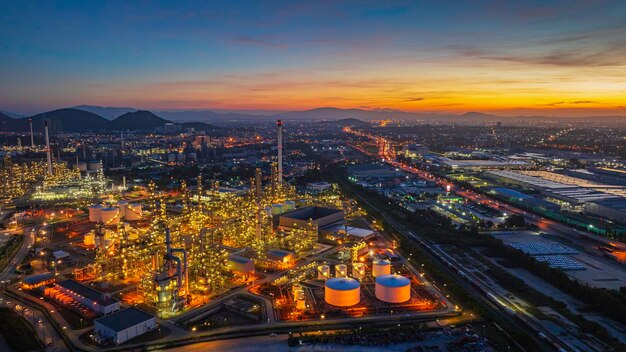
93, 299
124, 325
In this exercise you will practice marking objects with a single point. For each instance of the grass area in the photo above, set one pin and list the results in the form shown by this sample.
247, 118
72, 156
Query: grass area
9, 249
17, 333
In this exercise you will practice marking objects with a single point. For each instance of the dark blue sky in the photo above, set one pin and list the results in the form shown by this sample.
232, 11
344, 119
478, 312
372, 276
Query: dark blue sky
554, 57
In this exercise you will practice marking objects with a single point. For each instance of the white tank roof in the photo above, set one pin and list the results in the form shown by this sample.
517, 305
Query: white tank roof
393, 280
381, 262
342, 284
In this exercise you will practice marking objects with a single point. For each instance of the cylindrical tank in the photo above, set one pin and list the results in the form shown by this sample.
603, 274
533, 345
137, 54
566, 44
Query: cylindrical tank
95, 213
393, 288
381, 267
171, 158
122, 205
323, 272
89, 239
341, 270
81, 166
133, 212
110, 216
289, 205
277, 209
192, 156
342, 292
268, 211
180, 157
358, 270
94, 165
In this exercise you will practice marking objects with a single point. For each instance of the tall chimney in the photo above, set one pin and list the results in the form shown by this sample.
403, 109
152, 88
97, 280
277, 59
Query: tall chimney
32, 137
279, 123
48, 155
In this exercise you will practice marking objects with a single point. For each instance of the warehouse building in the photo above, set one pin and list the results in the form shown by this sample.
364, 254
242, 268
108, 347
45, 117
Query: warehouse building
321, 217
94, 300
124, 325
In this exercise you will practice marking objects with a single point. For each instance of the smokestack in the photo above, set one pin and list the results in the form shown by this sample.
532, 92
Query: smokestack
48, 156
32, 137
279, 123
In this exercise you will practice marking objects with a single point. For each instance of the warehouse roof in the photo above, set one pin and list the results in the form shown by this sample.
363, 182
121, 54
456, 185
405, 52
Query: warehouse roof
86, 292
124, 319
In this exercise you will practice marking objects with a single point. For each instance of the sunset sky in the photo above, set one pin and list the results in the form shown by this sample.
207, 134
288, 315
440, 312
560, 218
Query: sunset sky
556, 58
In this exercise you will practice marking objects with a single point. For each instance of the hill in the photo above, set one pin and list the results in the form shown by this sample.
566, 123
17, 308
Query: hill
137, 120
69, 120
107, 112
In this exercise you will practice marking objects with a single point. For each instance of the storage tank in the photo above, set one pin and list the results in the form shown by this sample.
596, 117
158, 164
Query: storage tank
393, 288
95, 213
358, 270
122, 205
341, 270
94, 165
192, 156
381, 267
277, 209
81, 166
268, 211
133, 212
171, 158
180, 157
342, 292
289, 205
323, 272
89, 239
110, 216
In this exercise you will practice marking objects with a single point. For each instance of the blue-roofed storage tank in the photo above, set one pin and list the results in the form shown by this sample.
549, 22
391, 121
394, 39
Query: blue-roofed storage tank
342, 292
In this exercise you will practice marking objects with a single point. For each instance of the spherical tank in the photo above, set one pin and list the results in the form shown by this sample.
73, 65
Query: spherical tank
381, 267
393, 288
342, 292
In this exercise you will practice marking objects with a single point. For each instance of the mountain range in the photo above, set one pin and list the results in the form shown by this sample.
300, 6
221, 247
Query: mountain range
98, 118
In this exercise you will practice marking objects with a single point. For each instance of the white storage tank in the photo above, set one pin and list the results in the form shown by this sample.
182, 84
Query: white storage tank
323, 272
94, 165
342, 292
393, 288
341, 270
358, 270
133, 212
122, 205
289, 205
381, 267
95, 213
110, 216
277, 209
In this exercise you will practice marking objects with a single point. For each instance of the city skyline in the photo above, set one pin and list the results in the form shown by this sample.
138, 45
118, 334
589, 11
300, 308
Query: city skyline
506, 59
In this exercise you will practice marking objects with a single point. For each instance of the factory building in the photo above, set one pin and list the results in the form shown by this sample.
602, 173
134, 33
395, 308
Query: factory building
321, 217
94, 300
241, 265
124, 325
